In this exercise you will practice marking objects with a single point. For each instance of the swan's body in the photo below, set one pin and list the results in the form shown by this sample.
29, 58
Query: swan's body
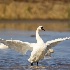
39, 49
37, 53
3, 46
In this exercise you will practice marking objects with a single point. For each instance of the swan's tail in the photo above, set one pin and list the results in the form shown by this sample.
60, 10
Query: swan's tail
30, 60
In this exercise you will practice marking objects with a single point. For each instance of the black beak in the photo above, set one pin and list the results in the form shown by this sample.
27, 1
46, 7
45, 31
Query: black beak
43, 29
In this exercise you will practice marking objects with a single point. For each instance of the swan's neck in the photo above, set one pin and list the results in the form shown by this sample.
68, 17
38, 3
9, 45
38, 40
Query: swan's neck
38, 38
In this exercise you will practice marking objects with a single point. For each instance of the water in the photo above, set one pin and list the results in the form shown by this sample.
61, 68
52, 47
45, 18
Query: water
12, 60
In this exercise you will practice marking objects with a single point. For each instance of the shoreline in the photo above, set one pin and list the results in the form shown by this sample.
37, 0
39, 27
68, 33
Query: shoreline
50, 25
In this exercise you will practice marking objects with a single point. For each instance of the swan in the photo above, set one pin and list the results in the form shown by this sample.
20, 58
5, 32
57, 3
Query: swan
3, 46
39, 49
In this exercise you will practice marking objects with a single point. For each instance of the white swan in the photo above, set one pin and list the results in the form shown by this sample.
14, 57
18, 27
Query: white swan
3, 46
39, 49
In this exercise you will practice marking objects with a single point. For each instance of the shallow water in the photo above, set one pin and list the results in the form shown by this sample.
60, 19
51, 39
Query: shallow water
12, 60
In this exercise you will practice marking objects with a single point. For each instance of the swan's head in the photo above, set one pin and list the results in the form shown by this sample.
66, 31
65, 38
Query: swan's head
40, 28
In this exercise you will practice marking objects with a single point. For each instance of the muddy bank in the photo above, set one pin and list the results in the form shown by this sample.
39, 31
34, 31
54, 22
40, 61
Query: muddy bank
18, 67
50, 25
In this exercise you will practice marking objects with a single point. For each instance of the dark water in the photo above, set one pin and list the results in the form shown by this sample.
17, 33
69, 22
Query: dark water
12, 60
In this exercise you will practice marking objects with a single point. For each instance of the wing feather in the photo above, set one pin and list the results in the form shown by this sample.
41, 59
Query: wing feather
17, 45
55, 42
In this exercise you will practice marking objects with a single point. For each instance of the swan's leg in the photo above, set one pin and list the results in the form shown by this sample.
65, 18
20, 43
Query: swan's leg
37, 63
31, 64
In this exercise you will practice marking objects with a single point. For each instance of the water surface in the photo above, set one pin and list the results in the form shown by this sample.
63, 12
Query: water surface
12, 60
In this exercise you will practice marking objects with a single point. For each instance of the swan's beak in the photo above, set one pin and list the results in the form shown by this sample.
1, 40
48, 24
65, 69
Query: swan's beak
43, 29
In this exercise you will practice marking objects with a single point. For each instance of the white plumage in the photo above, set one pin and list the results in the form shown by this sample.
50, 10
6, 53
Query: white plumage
39, 49
3, 46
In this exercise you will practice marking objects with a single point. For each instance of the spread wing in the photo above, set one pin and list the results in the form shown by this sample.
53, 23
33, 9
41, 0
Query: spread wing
55, 42
17, 45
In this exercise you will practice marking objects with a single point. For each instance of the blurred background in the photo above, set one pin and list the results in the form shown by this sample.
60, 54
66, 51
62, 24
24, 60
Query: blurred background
54, 15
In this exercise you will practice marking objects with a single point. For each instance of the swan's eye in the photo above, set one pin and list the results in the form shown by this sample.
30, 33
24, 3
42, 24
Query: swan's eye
41, 27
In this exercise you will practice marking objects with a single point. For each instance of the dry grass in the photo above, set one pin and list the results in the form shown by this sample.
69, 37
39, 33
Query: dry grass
38, 10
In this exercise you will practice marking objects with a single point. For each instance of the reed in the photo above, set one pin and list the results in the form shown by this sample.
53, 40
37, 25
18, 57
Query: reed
34, 10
